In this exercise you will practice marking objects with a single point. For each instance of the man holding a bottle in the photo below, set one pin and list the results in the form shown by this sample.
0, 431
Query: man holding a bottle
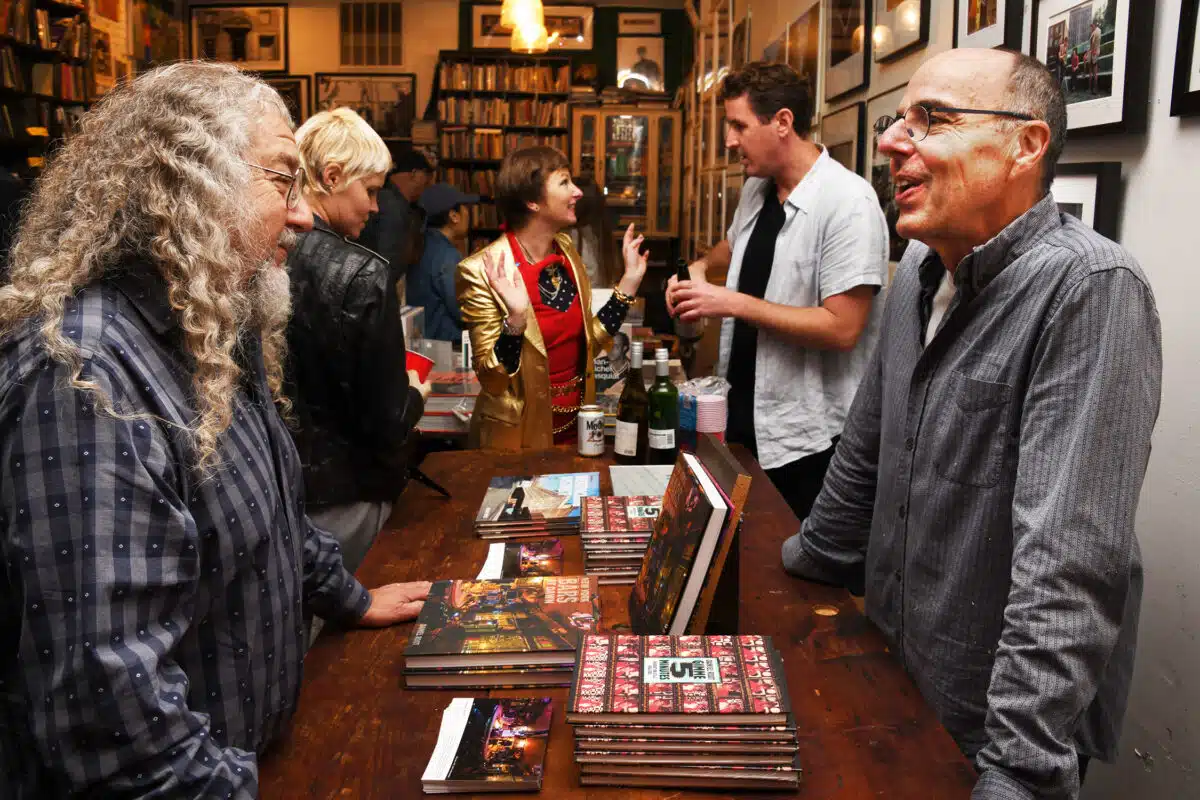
806, 254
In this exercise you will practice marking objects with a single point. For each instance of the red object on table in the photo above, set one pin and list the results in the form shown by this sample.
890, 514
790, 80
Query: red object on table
423, 365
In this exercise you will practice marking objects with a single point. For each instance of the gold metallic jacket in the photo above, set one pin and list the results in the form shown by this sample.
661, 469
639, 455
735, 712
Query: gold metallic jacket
513, 411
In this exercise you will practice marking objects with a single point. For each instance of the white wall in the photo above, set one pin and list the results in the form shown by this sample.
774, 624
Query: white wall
1161, 227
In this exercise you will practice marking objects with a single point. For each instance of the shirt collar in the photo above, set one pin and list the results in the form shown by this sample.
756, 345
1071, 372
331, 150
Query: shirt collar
806, 193
146, 290
988, 260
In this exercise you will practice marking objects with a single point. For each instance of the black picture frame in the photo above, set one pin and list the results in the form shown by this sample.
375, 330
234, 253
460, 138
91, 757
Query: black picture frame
1106, 196
844, 80
300, 102
1133, 112
1186, 103
859, 140
1012, 33
279, 65
903, 50
377, 112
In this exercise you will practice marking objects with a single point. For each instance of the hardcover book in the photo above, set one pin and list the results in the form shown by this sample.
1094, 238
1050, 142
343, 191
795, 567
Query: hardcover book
678, 680
487, 745
607, 516
676, 564
522, 622
523, 560
545, 501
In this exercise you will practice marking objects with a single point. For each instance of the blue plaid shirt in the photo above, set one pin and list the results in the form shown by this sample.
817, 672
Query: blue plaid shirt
153, 626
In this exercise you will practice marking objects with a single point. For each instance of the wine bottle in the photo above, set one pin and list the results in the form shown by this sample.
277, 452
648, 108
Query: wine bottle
632, 413
663, 423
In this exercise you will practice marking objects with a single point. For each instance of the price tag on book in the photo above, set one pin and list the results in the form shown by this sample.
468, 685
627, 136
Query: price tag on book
37, 132
680, 670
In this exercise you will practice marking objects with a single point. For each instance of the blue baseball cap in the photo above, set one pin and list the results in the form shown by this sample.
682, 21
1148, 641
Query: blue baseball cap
442, 197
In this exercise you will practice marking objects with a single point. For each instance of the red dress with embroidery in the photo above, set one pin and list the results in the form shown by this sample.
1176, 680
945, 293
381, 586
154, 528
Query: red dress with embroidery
562, 331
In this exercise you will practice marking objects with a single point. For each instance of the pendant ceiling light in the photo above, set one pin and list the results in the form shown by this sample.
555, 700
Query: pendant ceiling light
507, 15
528, 20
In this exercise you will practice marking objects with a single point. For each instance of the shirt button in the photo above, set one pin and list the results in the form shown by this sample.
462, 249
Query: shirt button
903, 512
908, 444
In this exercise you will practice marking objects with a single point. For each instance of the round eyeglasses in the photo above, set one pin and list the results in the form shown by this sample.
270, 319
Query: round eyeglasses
919, 117
295, 188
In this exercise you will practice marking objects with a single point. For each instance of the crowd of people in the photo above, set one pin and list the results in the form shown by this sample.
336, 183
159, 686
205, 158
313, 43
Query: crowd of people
205, 416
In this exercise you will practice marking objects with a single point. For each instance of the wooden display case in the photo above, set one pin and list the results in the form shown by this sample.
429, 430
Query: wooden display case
635, 157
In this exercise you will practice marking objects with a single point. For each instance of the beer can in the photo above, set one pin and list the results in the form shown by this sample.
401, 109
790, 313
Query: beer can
591, 431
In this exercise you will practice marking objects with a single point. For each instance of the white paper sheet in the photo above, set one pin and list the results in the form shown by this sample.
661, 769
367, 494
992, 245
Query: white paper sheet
633, 480
494, 564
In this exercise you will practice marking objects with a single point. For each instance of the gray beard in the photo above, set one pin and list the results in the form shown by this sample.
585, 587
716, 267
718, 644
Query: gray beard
270, 291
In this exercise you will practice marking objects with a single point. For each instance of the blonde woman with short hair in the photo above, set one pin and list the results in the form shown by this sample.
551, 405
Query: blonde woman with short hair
355, 405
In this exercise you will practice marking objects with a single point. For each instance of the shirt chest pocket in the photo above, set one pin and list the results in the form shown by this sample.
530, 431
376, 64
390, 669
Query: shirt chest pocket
972, 440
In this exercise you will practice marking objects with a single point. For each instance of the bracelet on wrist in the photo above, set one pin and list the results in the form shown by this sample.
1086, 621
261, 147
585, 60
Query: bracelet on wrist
622, 298
510, 330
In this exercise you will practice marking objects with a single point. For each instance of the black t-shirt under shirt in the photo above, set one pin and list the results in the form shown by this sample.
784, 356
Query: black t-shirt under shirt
752, 280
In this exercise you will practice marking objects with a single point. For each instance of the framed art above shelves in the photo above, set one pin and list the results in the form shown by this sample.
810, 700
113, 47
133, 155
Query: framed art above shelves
296, 91
1098, 50
252, 36
847, 61
387, 101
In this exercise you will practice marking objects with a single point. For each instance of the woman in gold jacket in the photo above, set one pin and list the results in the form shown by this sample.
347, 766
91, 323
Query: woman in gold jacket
526, 301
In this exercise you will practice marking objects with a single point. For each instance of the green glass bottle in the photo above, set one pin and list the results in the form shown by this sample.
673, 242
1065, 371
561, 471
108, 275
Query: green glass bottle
664, 414
632, 412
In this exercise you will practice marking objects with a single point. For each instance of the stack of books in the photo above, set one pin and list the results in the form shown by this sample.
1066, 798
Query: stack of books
489, 745
703, 712
506, 633
534, 506
615, 532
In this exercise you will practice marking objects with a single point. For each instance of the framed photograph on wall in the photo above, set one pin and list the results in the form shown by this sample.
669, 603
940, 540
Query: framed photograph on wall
573, 24
989, 23
847, 64
804, 52
741, 43
879, 172
844, 135
296, 91
1091, 193
639, 23
1185, 95
640, 63
1087, 45
387, 101
901, 26
776, 51
253, 37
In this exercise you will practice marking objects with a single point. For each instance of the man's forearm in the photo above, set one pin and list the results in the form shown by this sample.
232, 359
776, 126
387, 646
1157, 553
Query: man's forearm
717, 260
817, 328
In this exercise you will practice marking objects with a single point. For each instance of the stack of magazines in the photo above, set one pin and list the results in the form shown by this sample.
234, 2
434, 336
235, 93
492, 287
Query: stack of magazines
615, 532
504, 633
490, 745
702, 712
526, 506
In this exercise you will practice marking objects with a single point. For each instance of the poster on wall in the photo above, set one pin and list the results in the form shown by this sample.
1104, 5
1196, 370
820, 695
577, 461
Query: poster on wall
1185, 94
879, 170
843, 134
640, 63
253, 37
570, 27
1087, 46
847, 66
296, 91
988, 23
901, 26
388, 102
804, 52
1091, 193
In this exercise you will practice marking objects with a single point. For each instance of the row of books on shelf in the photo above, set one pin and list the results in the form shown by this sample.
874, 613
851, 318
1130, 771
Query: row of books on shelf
61, 81
471, 181
485, 215
463, 76
30, 117
496, 111
493, 144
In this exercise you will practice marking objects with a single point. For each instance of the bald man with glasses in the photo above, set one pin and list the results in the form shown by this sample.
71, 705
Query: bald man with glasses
985, 486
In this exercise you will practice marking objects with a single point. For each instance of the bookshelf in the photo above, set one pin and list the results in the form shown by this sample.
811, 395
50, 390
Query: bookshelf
489, 104
44, 50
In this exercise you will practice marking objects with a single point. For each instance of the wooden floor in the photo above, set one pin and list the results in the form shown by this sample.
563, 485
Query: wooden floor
864, 730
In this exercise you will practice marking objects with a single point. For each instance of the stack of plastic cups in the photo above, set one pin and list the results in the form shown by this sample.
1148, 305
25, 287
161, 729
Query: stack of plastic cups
710, 415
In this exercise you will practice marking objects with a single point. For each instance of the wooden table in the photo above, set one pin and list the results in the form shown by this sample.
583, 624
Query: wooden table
864, 729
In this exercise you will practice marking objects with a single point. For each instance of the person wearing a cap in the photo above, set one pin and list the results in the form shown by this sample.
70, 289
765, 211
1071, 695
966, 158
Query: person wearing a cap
394, 229
354, 404
431, 282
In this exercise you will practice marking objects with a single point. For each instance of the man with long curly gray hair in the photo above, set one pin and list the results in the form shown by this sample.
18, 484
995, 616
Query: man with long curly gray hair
160, 571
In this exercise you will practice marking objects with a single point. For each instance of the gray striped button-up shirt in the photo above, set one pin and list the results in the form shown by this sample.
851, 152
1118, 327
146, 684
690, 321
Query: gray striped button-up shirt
152, 626
988, 483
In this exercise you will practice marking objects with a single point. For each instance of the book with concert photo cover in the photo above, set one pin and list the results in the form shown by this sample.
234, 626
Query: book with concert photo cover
523, 560
678, 680
519, 622
524, 503
490, 745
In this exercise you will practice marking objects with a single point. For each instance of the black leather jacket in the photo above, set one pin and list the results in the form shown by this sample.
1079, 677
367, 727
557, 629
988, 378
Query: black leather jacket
346, 372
